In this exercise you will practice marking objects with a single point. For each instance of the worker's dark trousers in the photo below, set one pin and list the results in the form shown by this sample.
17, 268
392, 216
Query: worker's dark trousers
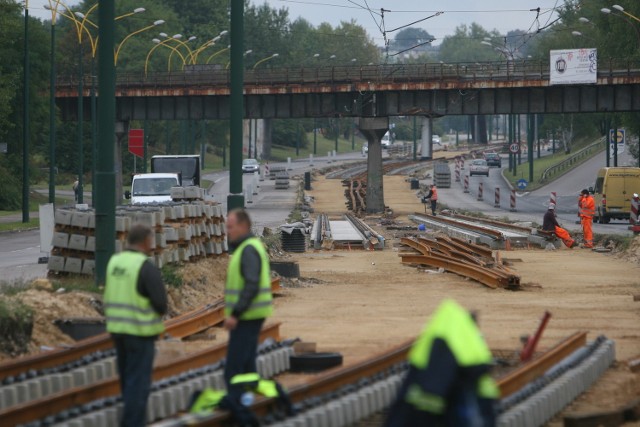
242, 348
434, 204
135, 366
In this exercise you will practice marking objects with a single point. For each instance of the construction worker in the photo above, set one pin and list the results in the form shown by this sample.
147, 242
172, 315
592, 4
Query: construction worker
135, 300
586, 213
448, 382
248, 299
550, 223
432, 196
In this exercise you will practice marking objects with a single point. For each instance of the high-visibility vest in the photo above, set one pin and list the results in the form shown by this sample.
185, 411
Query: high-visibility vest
262, 305
207, 400
434, 194
455, 326
253, 381
126, 311
587, 207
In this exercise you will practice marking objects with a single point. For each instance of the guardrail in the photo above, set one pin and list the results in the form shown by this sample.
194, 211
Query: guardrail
517, 70
562, 167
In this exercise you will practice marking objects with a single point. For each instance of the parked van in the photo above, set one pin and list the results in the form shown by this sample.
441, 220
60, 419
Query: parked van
152, 188
613, 192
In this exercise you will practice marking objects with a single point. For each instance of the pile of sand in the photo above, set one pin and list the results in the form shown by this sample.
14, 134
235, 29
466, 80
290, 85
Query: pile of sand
203, 283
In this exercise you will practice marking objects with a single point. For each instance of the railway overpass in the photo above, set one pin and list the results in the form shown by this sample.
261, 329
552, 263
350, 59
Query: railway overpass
372, 93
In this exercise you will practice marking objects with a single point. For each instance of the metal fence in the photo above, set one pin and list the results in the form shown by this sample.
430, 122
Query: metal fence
564, 166
519, 70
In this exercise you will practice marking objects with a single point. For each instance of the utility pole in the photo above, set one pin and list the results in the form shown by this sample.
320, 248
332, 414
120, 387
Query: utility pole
235, 199
52, 111
415, 139
105, 173
530, 135
25, 119
315, 136
80, 135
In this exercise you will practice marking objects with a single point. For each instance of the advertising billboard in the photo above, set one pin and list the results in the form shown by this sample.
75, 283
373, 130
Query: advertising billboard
573, 66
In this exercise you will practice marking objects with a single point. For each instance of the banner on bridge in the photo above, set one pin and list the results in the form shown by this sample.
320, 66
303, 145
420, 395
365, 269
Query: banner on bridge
573, 66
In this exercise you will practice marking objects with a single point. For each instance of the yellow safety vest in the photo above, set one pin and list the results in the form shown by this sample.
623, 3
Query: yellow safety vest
127, 311
262, 305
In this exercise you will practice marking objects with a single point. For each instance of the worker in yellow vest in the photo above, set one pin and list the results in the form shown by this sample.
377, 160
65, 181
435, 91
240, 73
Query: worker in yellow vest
135, 300
248, 299
448, 382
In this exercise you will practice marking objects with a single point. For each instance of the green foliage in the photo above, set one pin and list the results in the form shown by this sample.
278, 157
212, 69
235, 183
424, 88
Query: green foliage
16, 325
10, 188
465, 45
172, 276
410, 37
290, 133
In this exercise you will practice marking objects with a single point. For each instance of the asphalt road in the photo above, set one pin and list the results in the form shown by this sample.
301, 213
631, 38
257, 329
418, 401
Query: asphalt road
532, 206
19, 251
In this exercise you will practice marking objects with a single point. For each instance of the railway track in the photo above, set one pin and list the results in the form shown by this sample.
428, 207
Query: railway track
80, 353
351, 394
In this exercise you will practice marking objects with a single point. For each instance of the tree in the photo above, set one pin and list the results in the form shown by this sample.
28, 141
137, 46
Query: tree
410, 37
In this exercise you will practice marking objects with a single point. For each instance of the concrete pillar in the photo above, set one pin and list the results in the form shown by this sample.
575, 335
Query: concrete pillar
373, 129
427, 142
267, 128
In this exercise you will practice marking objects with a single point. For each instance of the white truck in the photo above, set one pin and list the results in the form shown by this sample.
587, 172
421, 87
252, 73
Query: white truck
152, 187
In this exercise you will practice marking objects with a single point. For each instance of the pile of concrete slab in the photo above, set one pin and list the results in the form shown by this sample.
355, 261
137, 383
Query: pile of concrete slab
184, 231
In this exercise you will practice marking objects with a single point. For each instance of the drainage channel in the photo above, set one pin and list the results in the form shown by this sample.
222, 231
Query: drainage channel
169, 396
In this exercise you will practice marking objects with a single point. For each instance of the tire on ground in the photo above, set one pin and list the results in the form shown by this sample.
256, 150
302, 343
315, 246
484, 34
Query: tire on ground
314, 362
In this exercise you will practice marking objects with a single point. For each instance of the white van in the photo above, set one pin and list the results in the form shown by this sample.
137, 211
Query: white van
152, 188
386, 140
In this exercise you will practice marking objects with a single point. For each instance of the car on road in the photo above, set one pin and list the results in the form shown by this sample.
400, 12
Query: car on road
493, 159
436, 139
479, 167
386, 140
365, 149
250, 166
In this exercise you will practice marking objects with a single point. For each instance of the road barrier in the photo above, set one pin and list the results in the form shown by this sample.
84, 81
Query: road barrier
289, 163
328, 156
310, 159
568, 163
513, 201
466, 183
480, 188
553, 199
267, 173
457, 174
496, 203
633, 215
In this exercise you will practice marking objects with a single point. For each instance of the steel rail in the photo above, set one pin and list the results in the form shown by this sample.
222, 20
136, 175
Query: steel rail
337, 378
56, 403
495, 223
495, 234
182, 326
528, 372
325, 383
452, 252
481, 251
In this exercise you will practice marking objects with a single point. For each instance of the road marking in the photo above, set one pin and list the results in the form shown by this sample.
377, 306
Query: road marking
25, 249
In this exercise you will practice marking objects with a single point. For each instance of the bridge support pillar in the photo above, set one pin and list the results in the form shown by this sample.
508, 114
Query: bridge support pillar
427, 139
121, 130
374, 128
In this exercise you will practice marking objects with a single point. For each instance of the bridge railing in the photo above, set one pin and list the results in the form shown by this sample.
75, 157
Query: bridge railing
518, 70
563, 166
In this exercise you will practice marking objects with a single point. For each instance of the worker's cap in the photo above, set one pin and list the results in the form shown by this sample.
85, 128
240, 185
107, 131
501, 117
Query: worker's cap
552, 206
585, 191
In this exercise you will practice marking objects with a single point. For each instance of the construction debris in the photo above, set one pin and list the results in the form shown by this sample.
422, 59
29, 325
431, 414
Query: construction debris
457, 256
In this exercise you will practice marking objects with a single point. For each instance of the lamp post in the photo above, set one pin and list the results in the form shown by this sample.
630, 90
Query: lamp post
148, 27
262, 61
235, 199
210, 43
217, 53
623, 16
53, 7
160, 43
248, 52
25, 119
180, 44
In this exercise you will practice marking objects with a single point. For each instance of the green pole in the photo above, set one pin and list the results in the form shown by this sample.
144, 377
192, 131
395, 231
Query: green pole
183, 136
415, 138
144, 145
25, 120
80, 124
615, 145
235, 199
105, 173
167, 135
315, 136
250, 136
52, 115
518, 124
530, 125
337, 133
224, 156
94, 131
457, 137
298, 136
608, 150
203, 143
353, 137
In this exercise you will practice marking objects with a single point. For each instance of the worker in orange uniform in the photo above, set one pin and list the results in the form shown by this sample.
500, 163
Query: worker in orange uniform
550, 223
587, 210
432, 197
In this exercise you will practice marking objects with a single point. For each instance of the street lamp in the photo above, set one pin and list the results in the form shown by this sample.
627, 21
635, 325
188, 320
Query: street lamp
159, 43
217, 53
621, 9
275, 55
208, 44
248, 52
177, 50
608, 11
148, 27
53, 7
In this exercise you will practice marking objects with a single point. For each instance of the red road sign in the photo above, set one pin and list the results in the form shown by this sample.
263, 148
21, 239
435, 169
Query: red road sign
514, 148
136, 142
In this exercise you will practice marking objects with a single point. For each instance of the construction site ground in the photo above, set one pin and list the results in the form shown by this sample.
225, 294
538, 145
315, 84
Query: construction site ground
361, 302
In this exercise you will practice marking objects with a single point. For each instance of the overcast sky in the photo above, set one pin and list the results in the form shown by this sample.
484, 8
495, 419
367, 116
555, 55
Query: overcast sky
503, 15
